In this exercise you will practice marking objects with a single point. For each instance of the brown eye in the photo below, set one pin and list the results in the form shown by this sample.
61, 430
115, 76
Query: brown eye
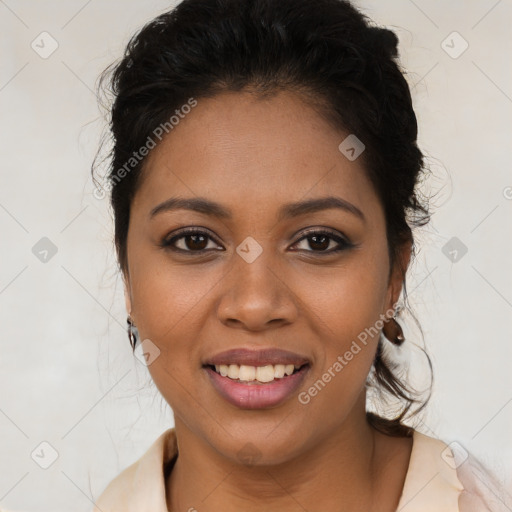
321, 242
189, 241
195, 242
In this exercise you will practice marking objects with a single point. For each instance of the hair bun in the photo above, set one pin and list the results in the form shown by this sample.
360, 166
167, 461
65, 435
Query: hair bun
384, 40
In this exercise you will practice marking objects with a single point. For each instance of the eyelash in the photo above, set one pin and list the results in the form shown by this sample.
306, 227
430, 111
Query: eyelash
344, 243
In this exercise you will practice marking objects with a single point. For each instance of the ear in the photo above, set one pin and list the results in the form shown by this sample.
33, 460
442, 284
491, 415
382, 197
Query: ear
397, 273
127, 293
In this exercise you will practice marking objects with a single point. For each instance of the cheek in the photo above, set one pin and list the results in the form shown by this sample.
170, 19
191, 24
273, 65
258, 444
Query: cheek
168, 297
347, 315
348, 299
171, 304
170, 307
349, 308
346, 309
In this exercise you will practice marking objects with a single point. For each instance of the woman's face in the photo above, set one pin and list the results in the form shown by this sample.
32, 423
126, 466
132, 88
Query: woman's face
259, 284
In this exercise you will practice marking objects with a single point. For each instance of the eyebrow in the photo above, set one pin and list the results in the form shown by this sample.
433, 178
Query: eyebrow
287, 211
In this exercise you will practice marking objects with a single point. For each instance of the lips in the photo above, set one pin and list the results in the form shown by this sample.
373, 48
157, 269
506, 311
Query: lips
255, 395
261, 357
278, 374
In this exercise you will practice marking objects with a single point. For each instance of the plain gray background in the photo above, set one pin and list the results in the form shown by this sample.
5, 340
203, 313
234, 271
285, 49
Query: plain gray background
67, 375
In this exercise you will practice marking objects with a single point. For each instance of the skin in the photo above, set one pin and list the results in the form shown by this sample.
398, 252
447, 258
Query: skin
253, 155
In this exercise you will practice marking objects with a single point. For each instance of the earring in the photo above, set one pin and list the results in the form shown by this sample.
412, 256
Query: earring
393, 331
132, 332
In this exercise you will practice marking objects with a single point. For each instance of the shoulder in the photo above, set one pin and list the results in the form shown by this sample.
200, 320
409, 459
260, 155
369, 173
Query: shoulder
445, 477
116, 495
141, 486
482, 489
431, 483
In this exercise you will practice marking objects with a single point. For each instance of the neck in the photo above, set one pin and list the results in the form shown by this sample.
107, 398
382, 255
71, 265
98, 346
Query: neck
339, 469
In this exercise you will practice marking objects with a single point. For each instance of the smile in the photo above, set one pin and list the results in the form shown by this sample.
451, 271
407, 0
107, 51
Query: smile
254, 393
261, 374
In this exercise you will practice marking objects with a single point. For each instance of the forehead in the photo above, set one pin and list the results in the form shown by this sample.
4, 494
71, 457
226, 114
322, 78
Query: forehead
246, 151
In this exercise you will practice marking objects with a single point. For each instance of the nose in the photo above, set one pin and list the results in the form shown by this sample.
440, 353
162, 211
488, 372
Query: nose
256, 296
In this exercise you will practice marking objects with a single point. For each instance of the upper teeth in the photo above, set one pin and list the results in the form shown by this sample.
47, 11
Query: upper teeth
260, 373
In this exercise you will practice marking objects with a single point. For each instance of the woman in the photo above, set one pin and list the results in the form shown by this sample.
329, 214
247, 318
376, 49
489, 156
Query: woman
263, 177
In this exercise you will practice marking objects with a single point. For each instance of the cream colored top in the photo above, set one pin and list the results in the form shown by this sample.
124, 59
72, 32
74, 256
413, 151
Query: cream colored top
440, 478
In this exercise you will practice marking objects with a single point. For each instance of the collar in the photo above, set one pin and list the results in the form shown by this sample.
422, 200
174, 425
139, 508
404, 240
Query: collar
431, 482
